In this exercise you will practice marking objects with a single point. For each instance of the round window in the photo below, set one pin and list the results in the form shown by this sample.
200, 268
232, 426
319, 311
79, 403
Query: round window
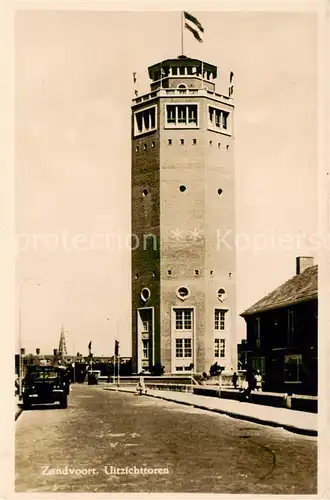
221, 294
182, 292
182, 188
145, 294
145, 192
219, 191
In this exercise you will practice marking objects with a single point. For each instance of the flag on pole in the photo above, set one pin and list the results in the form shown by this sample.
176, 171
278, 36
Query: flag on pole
135, 82
231, 84
194, 26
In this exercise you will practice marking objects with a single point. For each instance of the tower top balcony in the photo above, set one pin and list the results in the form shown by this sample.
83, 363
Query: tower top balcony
182, 72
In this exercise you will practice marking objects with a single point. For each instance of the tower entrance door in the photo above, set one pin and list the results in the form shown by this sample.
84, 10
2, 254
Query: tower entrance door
145, 338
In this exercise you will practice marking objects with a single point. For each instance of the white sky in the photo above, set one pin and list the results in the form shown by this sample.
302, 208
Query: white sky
73, 96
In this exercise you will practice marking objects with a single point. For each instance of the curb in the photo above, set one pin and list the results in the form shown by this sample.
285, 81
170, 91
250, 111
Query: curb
238, 416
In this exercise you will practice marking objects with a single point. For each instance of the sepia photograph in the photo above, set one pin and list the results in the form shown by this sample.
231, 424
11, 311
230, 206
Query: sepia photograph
167, 251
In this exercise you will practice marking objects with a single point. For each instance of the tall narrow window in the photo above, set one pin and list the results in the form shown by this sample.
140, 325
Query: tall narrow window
217, 118
153, 117
225, 120
192, 114
187, 348
170, 114
219, 319
182, 118
146, 117
145, 349
139, 121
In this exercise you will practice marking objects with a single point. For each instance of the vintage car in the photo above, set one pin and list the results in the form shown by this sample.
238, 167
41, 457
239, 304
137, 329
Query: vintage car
45, 384
93, 377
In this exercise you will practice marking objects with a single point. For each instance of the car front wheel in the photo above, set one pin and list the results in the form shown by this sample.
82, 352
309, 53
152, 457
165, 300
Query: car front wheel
64, 402
26, 404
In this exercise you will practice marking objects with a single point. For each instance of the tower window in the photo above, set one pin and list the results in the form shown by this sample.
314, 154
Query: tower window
182, 70
182, 188
154, 274
145, 147
219, 145
210, 143
194, 141
174, 70
169, 272
225, 116
211, 272
137, 149
145, 121
219, 120
169, 142
171, 114
145, 192
181, 115
153, 144
136, 276
196, 272
182, 141
220, 191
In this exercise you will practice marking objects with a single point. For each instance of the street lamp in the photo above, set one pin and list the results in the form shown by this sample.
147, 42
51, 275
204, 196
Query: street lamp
20, 355
117, 353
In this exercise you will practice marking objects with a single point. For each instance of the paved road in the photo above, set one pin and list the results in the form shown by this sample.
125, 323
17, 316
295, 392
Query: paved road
203, 452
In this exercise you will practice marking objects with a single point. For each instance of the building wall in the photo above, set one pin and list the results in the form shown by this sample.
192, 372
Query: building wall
145, 221
277, 342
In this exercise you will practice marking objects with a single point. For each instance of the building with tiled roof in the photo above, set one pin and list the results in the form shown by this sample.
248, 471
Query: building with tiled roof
282, 333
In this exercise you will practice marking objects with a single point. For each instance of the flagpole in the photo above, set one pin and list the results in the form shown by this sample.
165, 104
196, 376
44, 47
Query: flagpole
182, 27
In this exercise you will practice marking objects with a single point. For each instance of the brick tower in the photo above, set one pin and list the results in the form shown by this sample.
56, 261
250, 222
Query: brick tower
183, 205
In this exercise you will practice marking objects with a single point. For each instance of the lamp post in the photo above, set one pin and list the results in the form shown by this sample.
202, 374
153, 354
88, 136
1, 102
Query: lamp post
116, 354
20, 356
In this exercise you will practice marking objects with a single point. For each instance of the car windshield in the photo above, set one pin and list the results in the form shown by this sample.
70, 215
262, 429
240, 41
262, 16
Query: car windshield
43, 375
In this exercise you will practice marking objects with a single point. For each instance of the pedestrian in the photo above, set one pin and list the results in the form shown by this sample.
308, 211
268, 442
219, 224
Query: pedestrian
141, 388
258, 381
251, 384
234, 380
16, 385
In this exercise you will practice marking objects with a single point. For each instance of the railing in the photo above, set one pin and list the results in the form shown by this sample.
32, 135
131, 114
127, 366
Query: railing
274, 399
179, 92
